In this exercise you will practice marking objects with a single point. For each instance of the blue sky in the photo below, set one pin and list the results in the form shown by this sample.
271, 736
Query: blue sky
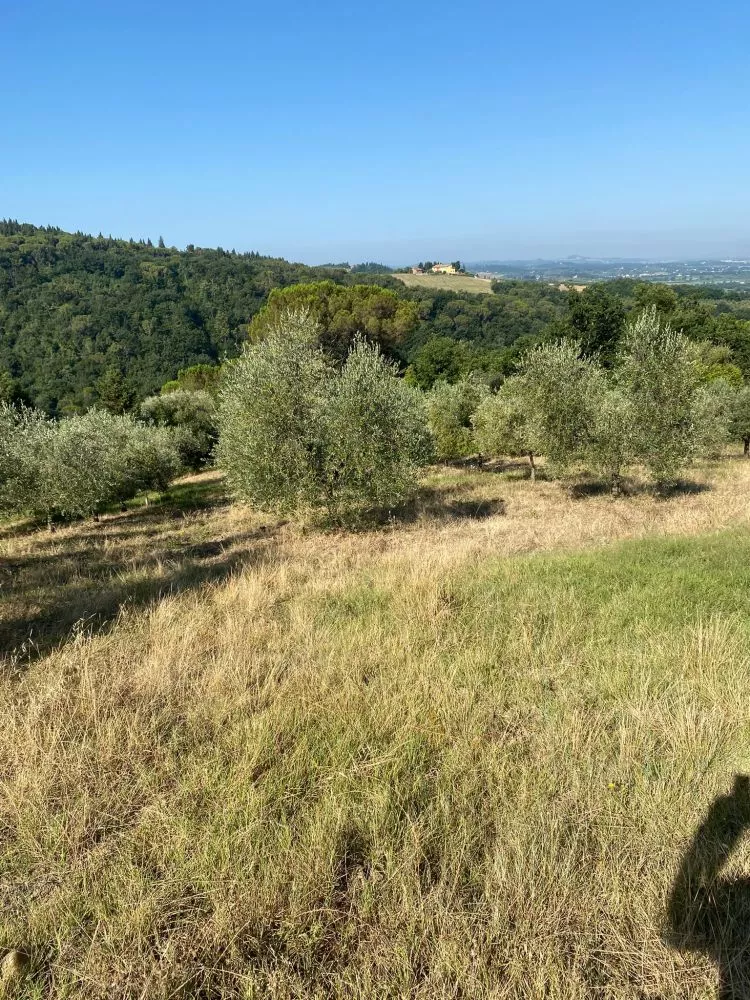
338, 131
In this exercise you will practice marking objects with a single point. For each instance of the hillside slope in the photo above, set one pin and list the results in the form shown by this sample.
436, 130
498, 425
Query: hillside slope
74, 306
460, 757
447, 282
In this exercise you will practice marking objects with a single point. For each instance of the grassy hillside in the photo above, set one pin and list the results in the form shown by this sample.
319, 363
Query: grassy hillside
446, 282
458, 757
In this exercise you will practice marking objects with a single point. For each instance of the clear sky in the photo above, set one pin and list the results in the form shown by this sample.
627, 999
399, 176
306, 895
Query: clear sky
337, 131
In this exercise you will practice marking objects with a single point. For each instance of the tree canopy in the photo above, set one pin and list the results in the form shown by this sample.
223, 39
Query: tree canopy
90, 321
341, 313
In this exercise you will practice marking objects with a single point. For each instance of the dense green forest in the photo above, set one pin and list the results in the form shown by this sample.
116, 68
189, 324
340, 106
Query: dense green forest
83, 318
74, 308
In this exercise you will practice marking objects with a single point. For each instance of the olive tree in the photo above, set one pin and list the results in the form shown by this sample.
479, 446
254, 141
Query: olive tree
611, 449
739, 418
152, 458
376, 435
658, 370
70, 468
24, 438
82, 466
271, 417
450, 408
560, 390
501, 426
713, 414
299, 433
193, 415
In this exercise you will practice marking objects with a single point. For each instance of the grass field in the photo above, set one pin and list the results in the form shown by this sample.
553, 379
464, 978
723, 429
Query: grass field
461, 756
452, 282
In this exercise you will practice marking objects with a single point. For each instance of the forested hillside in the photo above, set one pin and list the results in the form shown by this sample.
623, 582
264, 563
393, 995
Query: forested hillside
81, 314
75, 307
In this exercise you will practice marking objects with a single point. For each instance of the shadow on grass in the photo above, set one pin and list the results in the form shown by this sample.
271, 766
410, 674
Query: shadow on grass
684, 487
708, 912
80, 578
511, 468
582, 490
441, 504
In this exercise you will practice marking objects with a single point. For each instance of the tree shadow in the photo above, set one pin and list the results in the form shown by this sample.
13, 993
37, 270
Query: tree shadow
441, 504
585, 488
61, 582
708, 912
683, 487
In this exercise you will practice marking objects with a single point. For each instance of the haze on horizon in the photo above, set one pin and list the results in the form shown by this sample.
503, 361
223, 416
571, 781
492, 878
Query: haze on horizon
338, 133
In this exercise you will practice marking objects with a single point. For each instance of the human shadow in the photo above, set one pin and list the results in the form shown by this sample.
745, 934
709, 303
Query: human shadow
708, 912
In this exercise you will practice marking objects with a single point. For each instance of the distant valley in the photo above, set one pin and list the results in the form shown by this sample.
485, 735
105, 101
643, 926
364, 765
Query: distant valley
586, 269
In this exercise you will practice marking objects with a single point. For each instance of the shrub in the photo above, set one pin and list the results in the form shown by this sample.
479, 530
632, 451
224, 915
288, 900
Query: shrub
193, 415
196, 378
501, 424
659, 372
298, 434
449, 412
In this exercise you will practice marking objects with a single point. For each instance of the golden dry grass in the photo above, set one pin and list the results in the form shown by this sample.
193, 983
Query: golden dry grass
447, 282
454, 757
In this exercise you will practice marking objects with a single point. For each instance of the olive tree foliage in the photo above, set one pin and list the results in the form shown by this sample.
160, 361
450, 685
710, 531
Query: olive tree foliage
660, 406
152, 458
713, 414
501, 425
271, 406
299, 433
611, 442
739, 418
193, 415
659, 372
24, 435
561, 391
70, 468
375, 432
450, 408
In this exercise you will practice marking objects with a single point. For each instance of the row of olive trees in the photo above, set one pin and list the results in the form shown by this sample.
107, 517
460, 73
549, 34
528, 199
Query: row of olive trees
302, 431
653, 409
71, 467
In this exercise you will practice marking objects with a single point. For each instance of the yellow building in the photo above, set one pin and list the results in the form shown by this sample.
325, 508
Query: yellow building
444, 269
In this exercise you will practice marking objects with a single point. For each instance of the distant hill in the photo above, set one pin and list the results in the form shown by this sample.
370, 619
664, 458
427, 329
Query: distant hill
73, 307
79, 311
82, 314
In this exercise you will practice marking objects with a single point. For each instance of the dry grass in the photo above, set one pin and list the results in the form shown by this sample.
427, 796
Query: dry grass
386, 764
447, 282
